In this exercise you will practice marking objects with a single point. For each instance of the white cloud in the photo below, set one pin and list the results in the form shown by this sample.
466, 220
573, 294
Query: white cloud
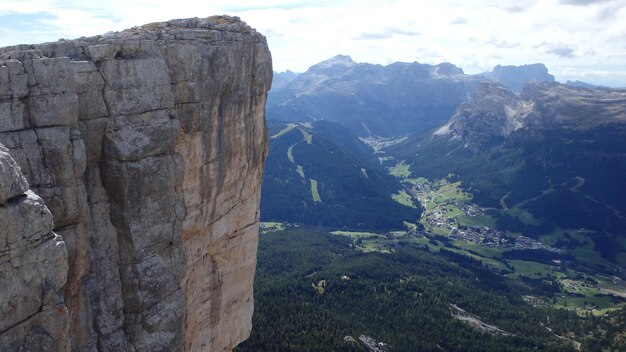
475, 35
583, 2
562, 51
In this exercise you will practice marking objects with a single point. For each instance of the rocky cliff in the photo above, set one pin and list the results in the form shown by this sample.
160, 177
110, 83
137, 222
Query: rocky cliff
492, 112
515, 78
146, 147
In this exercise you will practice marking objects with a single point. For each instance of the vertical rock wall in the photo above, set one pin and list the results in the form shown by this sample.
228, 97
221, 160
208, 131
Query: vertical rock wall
147, 146
33, 268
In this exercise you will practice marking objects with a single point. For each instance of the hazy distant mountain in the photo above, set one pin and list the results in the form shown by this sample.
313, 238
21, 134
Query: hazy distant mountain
516, 77
369, 99
552, 157
281, 79
581, 84
320, 174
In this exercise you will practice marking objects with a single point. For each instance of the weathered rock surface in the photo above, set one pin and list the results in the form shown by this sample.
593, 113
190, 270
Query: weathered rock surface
33, 268
492, 112
147, 146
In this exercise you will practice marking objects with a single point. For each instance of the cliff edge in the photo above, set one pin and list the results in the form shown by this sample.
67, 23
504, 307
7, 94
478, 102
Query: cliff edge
130, 187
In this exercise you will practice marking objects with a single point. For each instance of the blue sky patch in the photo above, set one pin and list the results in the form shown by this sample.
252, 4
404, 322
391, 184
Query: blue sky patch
26, 22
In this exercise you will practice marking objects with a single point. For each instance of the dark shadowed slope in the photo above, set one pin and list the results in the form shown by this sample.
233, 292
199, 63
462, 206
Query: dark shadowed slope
320, 174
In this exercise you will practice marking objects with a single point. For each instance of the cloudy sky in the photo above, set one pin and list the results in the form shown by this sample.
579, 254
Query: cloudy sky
576, 39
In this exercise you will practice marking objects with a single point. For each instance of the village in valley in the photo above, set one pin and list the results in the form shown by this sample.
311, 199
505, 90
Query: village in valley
448, 211
451, 222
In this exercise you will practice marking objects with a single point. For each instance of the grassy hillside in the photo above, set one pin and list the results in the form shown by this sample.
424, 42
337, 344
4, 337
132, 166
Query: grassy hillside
320, 174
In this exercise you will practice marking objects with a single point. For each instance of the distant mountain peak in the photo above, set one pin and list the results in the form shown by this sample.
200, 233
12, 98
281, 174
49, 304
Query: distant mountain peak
493, 111
582, 84
516, 77
446, 69
282, 79
337, 61
373, 99
537, 66
287, 74
489, 88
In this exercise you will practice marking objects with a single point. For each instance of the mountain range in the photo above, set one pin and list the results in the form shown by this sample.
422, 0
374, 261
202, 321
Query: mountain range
552, 158
415, 207
375, 100
372, 99
547, 158
516, 77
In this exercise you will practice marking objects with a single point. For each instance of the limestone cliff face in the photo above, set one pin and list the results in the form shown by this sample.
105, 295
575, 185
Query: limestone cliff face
147, 147
493, 112
33, 268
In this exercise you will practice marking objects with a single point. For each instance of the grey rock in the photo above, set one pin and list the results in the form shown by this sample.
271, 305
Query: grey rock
12, 181
12, 113
134, 86
89, 85
12, 89
138, 142
147, 147
33, 269
516, 77
492, 112
93, 134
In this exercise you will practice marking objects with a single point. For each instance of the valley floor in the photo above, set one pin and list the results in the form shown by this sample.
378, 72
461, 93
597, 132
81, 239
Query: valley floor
455, 222
320, 290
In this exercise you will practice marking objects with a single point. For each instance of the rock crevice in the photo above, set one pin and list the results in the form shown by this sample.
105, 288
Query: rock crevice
147, 147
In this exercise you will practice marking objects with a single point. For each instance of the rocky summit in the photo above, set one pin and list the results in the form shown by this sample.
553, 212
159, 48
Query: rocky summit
515, 78
494, 111
130, 181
